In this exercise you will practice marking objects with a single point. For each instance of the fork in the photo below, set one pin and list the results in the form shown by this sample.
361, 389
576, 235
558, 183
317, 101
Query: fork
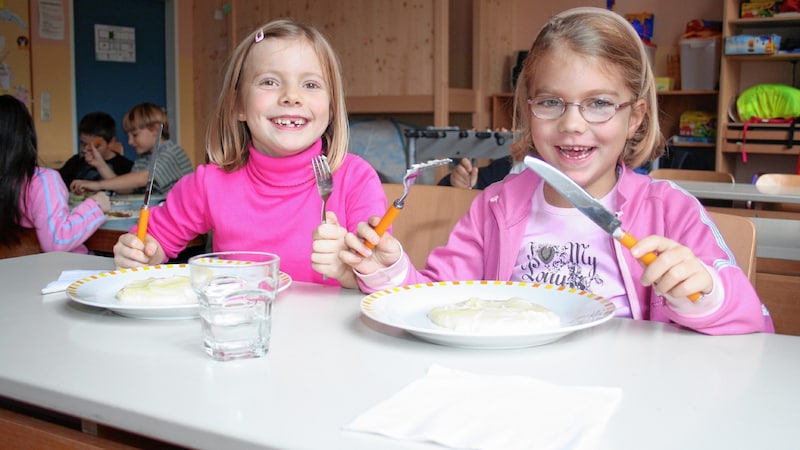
322, 173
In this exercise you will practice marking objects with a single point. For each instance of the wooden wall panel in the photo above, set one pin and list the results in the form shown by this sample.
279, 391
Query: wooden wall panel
385, 47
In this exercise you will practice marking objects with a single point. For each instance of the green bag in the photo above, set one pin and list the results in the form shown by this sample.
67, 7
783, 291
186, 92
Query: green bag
769, 101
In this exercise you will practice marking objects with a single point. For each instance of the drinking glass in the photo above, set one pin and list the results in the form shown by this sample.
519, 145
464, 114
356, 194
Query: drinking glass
235, 290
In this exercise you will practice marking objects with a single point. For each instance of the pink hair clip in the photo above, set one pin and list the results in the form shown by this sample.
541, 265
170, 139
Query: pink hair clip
260, 36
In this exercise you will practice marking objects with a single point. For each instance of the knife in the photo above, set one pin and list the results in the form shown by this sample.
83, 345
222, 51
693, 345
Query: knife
144, 213
589, 206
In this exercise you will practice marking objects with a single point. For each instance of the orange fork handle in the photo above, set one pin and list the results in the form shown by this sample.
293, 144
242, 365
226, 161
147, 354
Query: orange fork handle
383, 225
629, 241
144, 216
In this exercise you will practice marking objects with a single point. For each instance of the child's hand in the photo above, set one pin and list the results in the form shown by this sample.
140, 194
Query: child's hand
328, 243
129, 251
387, 249
82, 186
92, 156
676, 272
102, 201
464, 175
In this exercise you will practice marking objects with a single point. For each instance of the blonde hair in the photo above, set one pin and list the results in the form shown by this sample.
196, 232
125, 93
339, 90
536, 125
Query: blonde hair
607, 36
145, 115
228, 138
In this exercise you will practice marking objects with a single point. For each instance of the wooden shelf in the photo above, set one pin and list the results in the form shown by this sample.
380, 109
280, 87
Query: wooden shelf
692, 144
789, 57
765, 145
780, 20
679, 92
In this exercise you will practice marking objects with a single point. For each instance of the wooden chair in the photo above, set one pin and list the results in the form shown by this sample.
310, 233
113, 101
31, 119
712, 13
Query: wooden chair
29, 245
740, 235
429, 214
692, 175
774, 181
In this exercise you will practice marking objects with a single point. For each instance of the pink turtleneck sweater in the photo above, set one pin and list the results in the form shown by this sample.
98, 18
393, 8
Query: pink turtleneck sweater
271, 204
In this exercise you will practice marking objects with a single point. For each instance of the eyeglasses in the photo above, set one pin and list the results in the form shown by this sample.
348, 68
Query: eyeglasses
593, 110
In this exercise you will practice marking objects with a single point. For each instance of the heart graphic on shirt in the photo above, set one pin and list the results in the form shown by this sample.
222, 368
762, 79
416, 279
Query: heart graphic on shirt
546, 254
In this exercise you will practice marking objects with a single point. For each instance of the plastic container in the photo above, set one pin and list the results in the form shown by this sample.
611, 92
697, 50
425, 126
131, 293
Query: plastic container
700, 63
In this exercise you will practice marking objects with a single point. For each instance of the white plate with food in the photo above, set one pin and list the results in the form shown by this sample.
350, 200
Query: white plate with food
485, 304
102, 290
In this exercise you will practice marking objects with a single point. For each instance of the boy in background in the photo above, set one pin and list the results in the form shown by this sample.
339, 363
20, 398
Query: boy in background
100, 154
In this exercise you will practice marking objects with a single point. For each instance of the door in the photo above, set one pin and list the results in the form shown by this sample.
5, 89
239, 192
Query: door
120, 79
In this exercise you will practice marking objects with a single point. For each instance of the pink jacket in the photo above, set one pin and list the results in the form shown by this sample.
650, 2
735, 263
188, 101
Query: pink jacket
271, 204
485, 242
44, 206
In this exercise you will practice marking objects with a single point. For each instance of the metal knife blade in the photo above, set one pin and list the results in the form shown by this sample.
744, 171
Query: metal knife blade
588, 205
151, 169
144, 212
575, 194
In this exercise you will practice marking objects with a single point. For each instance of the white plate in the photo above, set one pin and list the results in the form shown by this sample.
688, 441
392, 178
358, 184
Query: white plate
101, 290
407, 308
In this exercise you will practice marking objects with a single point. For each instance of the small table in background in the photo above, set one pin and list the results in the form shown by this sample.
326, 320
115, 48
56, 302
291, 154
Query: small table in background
103, 240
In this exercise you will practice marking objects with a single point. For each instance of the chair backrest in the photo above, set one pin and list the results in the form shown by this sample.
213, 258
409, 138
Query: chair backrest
771, 181
692, 175
740, 234
29, 245
428, 216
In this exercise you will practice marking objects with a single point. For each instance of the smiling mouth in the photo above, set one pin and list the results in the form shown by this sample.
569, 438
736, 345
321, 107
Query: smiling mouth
576, 153
292, 123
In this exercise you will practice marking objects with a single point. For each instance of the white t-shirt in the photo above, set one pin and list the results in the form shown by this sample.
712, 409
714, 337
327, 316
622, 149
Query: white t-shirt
563, 247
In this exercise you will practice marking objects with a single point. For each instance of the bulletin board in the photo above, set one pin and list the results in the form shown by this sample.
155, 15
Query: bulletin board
15, 56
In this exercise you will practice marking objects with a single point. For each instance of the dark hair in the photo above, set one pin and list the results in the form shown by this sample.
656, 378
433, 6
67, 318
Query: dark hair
18, 161
98, 123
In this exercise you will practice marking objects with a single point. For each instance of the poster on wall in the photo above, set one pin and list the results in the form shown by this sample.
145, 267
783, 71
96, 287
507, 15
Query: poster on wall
51, 19
15, 58
112, 43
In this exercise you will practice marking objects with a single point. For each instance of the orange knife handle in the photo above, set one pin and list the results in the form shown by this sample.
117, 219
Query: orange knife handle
629, 241
383, 225
144, 215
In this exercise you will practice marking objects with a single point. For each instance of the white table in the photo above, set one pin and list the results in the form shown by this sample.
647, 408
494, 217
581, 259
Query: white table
328, 363
740, 192
777, 238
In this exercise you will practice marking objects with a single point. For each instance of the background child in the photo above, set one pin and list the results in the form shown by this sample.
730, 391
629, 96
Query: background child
464, 175
100, 155
35, 197
281, 104
142, 123
586, 101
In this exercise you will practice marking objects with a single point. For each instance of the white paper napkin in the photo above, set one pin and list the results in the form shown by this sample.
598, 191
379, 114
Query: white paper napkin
464, 410
66, 278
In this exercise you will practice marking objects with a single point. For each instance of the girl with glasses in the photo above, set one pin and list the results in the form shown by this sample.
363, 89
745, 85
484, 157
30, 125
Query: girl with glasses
586, 104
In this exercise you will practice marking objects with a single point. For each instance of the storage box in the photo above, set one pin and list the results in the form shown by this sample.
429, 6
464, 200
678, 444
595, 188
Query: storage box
699, 63
752, 45
759, 9
665, 83
698, 124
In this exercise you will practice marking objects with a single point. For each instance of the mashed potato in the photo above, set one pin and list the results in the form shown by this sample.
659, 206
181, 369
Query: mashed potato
511, 316
175, 290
